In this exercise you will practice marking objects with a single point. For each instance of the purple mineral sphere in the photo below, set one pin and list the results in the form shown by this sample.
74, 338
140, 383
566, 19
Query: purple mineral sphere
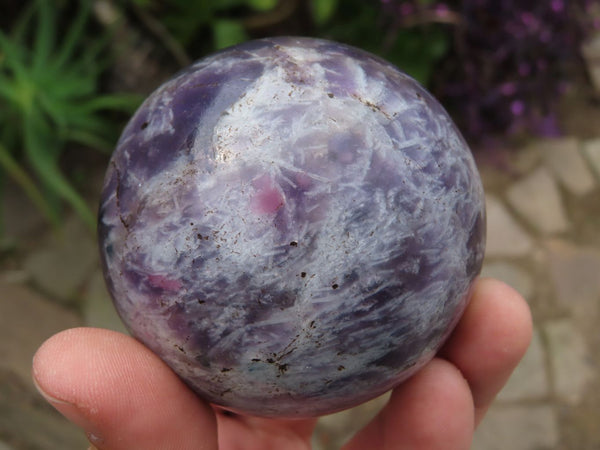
292, 225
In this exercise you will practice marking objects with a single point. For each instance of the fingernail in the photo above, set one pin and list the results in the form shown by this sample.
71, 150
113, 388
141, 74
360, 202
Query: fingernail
72, 413
93, 438
93, 447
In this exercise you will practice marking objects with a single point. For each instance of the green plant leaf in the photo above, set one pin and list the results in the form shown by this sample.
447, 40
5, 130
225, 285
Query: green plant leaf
13, 57
323, 10
416, 51
12, 168
262, 5
70, 86
353, 24
185, 18
7, 89
19, 30
228, 32
48, 97
74, 34
224, 5
117, 102
38, 137
143, 3
91, 140
45, 36
91, 62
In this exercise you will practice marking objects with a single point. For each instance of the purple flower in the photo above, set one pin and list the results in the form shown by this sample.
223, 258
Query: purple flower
508, 62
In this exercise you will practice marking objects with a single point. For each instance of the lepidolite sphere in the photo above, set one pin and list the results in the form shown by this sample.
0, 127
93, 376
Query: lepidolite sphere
292, 225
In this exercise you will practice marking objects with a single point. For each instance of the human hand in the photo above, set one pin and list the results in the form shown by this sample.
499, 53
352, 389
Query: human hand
125, 397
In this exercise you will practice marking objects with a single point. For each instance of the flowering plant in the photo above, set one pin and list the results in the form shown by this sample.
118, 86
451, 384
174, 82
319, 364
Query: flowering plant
509, 62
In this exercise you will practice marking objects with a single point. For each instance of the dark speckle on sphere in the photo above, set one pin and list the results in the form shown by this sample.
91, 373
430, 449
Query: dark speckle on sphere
293, 225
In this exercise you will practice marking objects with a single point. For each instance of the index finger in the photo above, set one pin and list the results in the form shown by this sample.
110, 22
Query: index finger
490, 340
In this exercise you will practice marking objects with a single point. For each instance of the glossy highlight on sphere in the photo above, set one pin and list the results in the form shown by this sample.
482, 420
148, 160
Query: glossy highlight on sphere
292, 225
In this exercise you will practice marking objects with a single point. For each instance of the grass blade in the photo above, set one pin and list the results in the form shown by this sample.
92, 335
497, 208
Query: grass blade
16, 172
228, 32
7, 90
74, 34
13, 57
71, 85
91, 140
44, 37
95, 59
116, 102
22, 25
37, 138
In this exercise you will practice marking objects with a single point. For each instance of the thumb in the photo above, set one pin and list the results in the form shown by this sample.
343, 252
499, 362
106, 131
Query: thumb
120, 393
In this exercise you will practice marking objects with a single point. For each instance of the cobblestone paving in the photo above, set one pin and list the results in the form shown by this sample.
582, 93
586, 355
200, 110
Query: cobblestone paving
553, 202
543, 239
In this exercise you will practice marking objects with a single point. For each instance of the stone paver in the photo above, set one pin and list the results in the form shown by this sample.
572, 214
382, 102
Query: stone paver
14, 277
336, 429
26, 421
19, 216
61, 266
591, 150
563, 158
527, 158
505, 237
530, 379
518, 427
570, 359
537, 199
512, 275
575, 273
27, 320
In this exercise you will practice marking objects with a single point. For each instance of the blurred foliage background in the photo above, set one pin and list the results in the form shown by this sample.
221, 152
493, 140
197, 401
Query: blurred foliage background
72, 71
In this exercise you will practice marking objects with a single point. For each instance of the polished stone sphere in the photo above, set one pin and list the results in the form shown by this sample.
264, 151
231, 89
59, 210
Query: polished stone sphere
293, 225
